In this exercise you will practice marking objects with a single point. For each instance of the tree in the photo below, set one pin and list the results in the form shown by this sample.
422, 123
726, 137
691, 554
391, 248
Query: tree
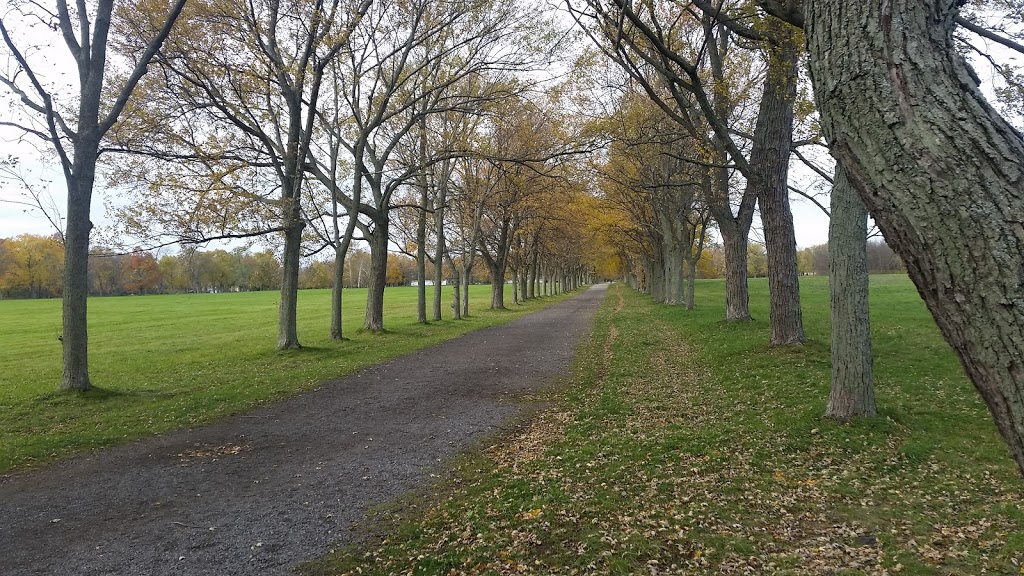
939, 170
282, 50
76, 141
412, 60
143, 273
852, 389
688, 50
174, 274
33, 266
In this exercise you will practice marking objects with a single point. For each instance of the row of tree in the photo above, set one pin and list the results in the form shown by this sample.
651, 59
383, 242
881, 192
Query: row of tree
317, 122
424, 124
711, 103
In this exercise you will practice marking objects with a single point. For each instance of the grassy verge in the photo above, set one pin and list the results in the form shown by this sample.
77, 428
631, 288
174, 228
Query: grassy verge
687, 446
167, 362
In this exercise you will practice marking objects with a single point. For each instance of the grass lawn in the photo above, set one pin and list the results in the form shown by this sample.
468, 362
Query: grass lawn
684, 445
167, 362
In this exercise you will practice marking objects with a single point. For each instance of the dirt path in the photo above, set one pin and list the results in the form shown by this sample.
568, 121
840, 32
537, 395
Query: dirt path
258, 493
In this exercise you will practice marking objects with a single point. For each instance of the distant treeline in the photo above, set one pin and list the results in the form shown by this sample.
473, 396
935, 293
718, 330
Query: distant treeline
881, 259
31, 267
811, 261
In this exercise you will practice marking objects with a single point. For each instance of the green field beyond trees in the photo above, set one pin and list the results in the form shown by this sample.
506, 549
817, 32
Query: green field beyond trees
685, 445
167, 362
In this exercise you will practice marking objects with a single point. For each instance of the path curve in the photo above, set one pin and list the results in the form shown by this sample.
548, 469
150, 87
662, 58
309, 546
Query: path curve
258, 493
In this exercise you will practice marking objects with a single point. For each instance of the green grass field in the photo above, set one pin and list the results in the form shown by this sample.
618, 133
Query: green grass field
167, 362
684, 445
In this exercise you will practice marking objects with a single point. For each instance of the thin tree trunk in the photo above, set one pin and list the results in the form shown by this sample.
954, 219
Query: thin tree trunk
532, 290
467, 275
342, 242
940, 172
852, 394
421, 228
440, 249
336, 294
421, 258
515, 287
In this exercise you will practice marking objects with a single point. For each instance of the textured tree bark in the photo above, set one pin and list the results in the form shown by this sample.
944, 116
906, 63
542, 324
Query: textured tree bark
374, 320
852, 393
769, 160
737, 297
656, 269
941, 173
497, 287
287, 330
75, 334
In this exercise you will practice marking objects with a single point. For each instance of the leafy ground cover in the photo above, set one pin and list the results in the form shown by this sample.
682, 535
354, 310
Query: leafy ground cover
684, 445
167, 362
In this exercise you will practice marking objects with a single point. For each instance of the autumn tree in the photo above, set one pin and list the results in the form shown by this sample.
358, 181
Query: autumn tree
31, 266
263, 83
938, 169
75, 129
689, 52
414, 57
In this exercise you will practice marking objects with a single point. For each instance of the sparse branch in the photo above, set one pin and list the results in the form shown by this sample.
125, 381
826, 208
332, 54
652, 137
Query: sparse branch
814, 200
141, 67
990, 35
51, 115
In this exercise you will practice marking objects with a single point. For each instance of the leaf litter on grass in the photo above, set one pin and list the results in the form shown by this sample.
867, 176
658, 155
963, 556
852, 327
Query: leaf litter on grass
651, 463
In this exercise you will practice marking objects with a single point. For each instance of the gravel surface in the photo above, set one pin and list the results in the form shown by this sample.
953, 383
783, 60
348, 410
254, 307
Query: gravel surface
260, 492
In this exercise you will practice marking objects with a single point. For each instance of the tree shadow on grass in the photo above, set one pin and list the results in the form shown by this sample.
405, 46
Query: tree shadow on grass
309, 351
99, 394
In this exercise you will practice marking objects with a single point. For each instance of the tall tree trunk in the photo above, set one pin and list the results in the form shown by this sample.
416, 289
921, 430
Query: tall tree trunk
342, 242
467, 280
941, 173
852, 393
287, 331
421, 258
515, 286
456, 296
497, 287
691, 281
439, 248
336, 294
75, 335
532, 290
421, 227
769, 160
378, 241
523, 277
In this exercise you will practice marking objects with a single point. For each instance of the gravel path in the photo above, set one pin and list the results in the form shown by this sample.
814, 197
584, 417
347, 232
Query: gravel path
258, 493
